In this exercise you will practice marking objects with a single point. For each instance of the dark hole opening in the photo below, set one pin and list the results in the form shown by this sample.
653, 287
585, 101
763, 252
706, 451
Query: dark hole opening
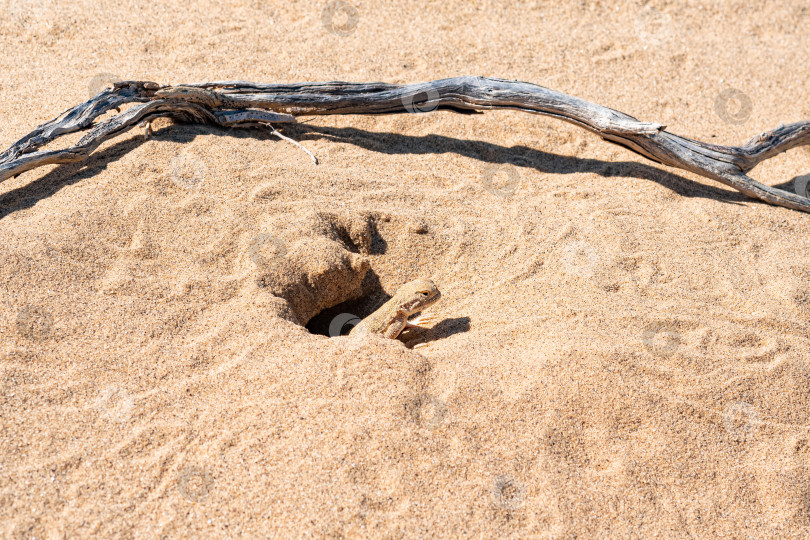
340, 319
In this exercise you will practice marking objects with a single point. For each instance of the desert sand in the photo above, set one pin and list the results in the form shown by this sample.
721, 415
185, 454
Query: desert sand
621, 348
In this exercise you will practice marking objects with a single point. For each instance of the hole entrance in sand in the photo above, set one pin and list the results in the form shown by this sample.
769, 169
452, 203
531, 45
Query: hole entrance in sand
340, 319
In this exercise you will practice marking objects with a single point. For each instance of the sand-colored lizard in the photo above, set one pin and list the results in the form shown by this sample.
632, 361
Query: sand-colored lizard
392, 317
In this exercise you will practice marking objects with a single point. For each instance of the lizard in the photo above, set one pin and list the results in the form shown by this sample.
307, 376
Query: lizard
391, 318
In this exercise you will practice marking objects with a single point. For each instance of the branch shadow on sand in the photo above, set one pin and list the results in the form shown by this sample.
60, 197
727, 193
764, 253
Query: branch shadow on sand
520, 156
61, 176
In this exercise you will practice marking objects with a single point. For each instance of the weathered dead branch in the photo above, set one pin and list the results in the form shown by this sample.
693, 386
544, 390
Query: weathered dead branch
246, 104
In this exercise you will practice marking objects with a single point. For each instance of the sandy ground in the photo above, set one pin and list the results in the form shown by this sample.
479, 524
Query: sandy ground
621, 349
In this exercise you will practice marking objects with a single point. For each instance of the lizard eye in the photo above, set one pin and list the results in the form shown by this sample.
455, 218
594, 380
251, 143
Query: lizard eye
424, 293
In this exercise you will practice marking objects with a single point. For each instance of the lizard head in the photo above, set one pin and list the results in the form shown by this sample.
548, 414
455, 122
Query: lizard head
417, 295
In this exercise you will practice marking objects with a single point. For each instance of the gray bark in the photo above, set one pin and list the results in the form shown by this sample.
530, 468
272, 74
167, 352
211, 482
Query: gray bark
237, 103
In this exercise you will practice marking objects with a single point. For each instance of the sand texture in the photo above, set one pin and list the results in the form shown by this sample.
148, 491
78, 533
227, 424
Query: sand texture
620, 351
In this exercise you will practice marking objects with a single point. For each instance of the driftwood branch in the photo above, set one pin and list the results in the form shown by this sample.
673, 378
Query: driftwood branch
237, 103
